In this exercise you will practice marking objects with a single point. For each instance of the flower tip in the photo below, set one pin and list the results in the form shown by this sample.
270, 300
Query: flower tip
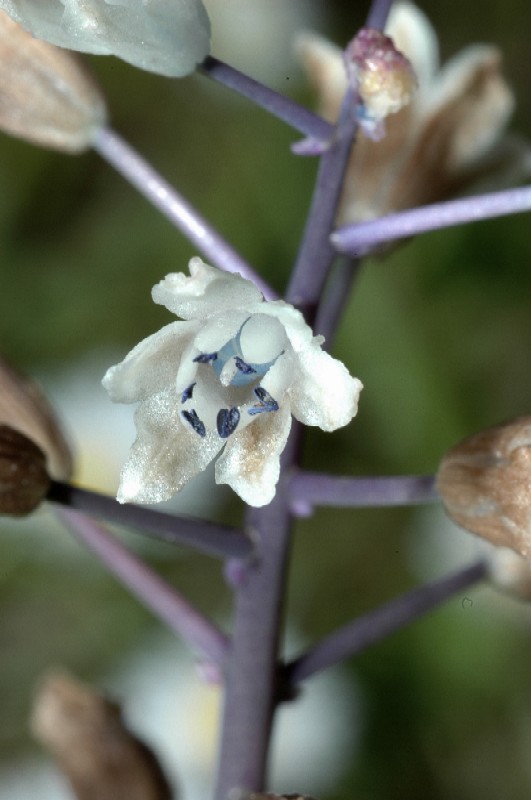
382, 76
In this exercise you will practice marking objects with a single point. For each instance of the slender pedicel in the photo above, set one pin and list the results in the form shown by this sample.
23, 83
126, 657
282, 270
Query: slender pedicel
335, 297
170, 203
355, 637
361, 238
300, 118
310, 489
206, 537
378, 14
180, 616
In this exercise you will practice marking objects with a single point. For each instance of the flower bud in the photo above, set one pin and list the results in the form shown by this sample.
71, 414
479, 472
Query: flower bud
383, 77
46, 96
24, 480
23, 406
485, 484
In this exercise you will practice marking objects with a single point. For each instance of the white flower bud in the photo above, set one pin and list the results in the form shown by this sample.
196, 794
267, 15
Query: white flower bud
46, 96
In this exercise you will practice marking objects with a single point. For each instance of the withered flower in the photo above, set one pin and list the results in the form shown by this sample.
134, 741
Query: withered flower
24, 407
485, 485
450, 140
85, 733
46, 96
24, 481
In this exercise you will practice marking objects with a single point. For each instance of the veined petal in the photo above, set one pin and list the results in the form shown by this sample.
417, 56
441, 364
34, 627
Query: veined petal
150, 366
323, 392
471, 98
165, 455
414, 35
207, 291
250, 463
324, 64
167, 38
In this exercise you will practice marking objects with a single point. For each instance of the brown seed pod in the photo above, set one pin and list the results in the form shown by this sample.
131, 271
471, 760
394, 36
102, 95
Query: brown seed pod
46, 96
24, 407
24, 480
485, 484
85, 733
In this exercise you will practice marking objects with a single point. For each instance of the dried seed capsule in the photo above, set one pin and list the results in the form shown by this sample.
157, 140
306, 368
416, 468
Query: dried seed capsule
24, 407
24, 480
100, 757
46, 96
485, 484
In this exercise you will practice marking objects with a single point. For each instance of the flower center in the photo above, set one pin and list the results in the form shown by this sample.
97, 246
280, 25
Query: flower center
227, 395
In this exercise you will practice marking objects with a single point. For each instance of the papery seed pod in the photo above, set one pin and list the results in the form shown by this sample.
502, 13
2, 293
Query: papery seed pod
85, 733
485, 484
24, 480
24, 407
46, 96
510, 572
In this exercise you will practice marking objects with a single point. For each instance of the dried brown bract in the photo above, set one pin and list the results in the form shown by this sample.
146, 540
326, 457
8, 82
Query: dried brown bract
485, 484
23, 406
24, 480
85, 733
46, 96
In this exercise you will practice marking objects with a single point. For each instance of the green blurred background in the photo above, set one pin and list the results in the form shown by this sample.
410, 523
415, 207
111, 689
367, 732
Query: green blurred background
439, 333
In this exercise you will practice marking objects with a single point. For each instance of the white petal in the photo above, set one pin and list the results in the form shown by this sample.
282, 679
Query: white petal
156, 35
414, 35
323, 62
207, 291
165, 455
218, 330
151, 366
323, 392
250, 463
299, 332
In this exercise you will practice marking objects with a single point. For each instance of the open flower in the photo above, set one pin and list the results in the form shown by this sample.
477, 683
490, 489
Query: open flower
227, 377
449, 140
170, 38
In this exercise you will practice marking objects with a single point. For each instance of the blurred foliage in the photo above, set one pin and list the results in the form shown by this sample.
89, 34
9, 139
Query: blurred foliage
439, 333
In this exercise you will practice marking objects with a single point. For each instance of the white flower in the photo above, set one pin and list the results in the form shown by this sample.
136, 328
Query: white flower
170, 38
228, 377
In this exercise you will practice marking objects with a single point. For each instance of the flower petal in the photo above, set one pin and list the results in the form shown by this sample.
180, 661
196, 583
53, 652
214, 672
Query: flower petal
324, 65
150, 366
165, 455
207, 291
250, 463
323, 392
414, 35
167, 38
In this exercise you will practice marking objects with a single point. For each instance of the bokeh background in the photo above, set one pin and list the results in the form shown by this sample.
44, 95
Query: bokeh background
440, 334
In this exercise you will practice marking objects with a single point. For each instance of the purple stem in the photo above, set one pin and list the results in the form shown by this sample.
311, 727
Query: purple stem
361, 238
378, 14
316, 253
279, 106
251, 670
335, 298
310, 489
170, 203
179, 615
206, 537
355, 637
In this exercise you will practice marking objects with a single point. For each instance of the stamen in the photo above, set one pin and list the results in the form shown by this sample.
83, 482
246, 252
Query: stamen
267, 403
195, 422
227, 421
187, 394
245, 368
205, 358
